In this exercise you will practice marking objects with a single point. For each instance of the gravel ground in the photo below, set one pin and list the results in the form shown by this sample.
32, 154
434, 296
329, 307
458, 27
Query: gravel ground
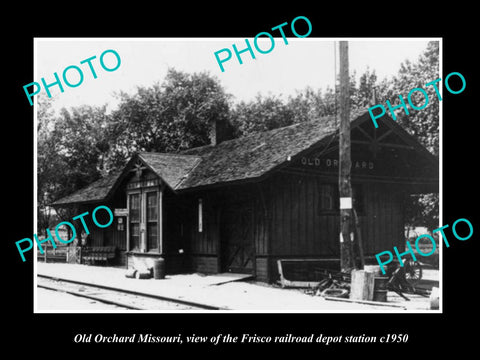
242, 296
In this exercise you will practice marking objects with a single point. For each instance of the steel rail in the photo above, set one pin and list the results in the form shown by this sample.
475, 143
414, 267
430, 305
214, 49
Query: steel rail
79, 294
131, 292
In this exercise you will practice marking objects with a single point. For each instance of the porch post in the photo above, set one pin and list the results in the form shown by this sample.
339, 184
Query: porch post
160, 219
143, 221
127, 224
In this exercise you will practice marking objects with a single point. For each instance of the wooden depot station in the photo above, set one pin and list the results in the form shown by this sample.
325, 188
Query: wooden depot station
240, 205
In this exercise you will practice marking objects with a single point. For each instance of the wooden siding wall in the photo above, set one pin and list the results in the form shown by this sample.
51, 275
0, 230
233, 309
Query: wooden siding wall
383, 222
261, 269
205, 264
261, 222
288, 221
176, 225
298, 228
206, 241
109, 236
203, 245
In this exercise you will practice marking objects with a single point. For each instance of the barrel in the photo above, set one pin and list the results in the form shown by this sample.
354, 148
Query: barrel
380, 283
380, 295
159, 268
380, 288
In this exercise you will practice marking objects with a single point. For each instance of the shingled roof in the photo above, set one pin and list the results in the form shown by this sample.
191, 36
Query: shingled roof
255, 155
248, 157
95, 192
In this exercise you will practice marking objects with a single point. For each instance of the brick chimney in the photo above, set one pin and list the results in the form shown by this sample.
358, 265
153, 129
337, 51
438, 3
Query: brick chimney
219, 131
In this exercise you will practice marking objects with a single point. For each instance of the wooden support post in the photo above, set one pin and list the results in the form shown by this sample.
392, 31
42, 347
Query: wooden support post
347, 259
358, 233
160, 218
127, 225
143, 222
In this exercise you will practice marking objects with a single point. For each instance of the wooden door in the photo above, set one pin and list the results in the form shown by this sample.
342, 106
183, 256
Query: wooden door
236, 238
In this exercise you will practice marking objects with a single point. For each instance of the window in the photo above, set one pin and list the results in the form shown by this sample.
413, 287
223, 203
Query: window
134, 200
327, 200
144, 223
144, 220
135, 207
152, 220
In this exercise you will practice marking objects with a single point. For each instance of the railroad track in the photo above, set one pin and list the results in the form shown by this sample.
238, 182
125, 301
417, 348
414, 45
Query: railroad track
127, 299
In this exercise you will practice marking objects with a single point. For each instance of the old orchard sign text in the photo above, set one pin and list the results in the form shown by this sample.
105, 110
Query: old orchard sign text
333, 163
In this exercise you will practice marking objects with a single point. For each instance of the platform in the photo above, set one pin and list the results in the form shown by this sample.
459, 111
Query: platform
227, 291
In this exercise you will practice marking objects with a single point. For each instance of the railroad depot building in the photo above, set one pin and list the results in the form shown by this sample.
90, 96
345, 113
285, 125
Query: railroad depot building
240, 205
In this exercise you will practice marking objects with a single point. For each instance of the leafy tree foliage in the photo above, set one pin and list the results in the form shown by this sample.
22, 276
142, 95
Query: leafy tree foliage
365, 94
47, 162
270, 112
71, 149
166, 117
264, 113
81, 145
422, 124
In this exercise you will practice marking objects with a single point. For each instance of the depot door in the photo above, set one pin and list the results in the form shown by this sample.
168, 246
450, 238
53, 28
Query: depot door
236, 238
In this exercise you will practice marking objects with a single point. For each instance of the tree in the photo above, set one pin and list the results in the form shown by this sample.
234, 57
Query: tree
261, 114
309, 105
47, 162
71, 149
81, 144
422, 124
363, 95
270, 112
166, 117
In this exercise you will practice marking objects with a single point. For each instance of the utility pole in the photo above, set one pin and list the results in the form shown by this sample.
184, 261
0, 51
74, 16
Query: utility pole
347, 258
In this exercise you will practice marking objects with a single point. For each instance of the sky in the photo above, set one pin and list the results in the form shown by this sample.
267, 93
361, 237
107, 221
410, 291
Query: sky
144, 61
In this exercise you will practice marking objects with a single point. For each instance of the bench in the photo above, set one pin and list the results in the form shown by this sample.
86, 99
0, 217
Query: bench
51, 254
93, 254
